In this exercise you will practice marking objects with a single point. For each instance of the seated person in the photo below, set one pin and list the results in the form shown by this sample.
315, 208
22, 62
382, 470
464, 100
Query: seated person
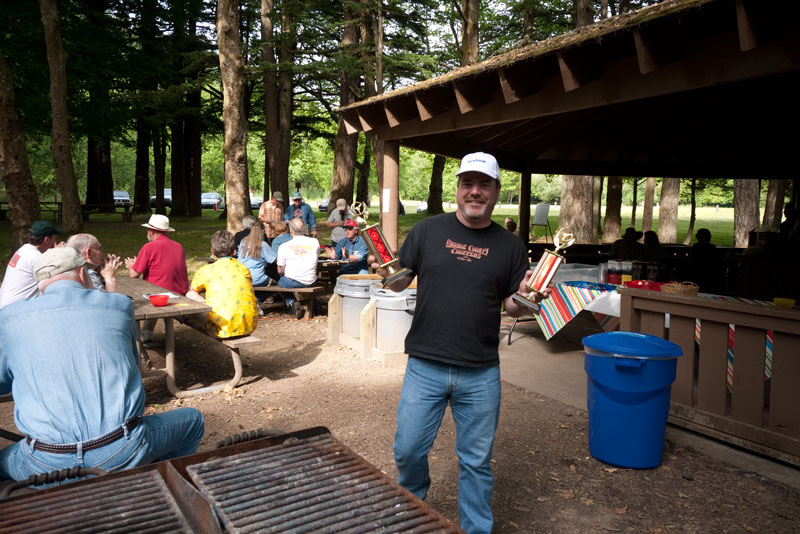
352, 248
282, 235
652, 247
297, 263
103, 271
228, 290
511, 225
258, 257
248, 221
628, 248
71, 361
703, 260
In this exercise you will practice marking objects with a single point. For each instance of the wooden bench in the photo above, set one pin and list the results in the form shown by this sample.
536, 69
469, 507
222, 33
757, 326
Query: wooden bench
304, 295
233, 344
87, 209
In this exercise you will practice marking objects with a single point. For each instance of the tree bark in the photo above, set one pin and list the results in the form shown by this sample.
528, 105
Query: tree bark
193, 145
15, 170
435, 190
231, 66
177, 161
160, 171
141, 185
575, 215
692, 213
668, 210
597, 197
745, 210
345, 146
635, 201
773, 208
583, 13
612, 223
59, 140
362, 185
469, 32
647, 211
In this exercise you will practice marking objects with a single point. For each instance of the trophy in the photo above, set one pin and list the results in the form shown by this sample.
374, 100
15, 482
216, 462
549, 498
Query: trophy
377, 245
546, 269
360, 212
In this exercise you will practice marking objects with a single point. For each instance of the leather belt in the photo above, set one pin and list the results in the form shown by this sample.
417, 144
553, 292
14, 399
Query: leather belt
102, 441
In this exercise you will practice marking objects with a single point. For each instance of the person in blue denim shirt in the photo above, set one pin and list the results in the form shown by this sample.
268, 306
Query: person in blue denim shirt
300, 210
352, 248
69, 357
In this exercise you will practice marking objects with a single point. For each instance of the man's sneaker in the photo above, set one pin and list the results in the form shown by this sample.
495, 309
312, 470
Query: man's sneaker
298, 310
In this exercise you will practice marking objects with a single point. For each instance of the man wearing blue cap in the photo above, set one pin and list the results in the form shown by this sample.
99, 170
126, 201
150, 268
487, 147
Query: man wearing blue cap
18, 282
300, 210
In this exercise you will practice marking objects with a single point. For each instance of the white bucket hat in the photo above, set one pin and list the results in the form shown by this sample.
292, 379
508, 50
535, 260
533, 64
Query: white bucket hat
480, 162
159, 222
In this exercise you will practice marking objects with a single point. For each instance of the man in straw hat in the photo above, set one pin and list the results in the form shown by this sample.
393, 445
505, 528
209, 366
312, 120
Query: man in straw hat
161, 262
70, 359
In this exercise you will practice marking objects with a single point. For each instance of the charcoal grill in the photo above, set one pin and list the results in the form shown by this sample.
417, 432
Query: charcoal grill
305, 481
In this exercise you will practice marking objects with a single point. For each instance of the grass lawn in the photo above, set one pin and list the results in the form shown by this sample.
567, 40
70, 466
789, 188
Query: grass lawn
125, 239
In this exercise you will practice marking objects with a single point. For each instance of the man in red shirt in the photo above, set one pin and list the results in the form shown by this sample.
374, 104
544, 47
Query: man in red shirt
162, 262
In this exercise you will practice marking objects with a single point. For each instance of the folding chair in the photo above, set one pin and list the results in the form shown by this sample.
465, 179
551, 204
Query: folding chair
540, 219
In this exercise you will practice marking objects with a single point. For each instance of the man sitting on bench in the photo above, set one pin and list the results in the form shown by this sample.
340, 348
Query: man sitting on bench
297, 263
228, 290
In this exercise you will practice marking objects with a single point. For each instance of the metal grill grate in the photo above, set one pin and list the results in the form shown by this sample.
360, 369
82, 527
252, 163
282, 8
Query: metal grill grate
138, 503
312, 484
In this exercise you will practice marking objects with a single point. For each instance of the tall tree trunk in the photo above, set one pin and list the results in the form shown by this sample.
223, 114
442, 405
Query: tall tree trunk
372, 53
597, 197
583, 13
141, 186
435, 190
177, 160
745, 210
231, 66
575, 215
692, 213
635, 201
668, 210
649, 198
92, 170
362, 185
15, 170
612, 223
193, 145
773, 208
62, 156
160, 171
106, 192
469, 36
345, 146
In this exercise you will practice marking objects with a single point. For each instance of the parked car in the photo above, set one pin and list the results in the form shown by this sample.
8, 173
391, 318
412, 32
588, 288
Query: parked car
212, 200
323, 205
122, 199
255, 202
167, 199
422, 206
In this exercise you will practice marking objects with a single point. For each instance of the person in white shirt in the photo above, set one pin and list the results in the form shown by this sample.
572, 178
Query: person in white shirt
18, 282
297, 262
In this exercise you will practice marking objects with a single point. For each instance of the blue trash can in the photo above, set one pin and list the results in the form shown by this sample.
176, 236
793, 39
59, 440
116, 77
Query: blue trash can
628, 387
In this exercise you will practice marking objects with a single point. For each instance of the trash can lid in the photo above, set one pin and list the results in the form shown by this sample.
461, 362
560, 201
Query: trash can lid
632, 344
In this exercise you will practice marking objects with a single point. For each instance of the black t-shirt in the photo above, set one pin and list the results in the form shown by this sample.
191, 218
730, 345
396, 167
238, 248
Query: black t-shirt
464, 275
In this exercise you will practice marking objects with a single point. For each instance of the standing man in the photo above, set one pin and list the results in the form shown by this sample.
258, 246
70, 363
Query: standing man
103, 271
269, 212
18, 282
337, 219
70, 359
301, 210
297, 263
162, 262
467, 268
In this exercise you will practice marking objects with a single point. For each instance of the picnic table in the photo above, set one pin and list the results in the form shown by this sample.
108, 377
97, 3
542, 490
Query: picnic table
136, 288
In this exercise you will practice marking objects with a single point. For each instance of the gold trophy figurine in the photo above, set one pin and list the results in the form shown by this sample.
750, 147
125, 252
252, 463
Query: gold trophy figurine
384, 256
545, 269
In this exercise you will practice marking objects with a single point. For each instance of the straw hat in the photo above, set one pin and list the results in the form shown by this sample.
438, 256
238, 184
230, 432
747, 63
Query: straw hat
159, 223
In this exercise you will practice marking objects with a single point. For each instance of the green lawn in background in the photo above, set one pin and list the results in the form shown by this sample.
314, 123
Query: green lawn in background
125, 239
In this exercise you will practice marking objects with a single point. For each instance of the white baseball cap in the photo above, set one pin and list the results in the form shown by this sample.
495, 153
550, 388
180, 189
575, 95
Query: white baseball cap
480, 162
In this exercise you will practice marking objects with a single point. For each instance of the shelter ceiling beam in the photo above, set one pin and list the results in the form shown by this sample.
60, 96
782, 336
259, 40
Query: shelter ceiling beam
434, 101
399, 110
579, 67
521, 80
472, 93
372, 117
352, 123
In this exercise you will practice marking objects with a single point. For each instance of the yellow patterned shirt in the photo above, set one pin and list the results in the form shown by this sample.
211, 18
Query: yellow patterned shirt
229, 292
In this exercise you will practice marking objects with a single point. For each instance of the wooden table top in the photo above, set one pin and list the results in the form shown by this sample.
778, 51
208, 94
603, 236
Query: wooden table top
136, 288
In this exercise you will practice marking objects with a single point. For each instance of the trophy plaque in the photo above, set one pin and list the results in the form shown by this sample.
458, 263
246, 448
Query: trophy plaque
545, 269
377, 245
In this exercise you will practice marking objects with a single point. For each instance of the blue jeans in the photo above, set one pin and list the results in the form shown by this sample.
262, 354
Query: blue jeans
474, 397
158, 437
289, 283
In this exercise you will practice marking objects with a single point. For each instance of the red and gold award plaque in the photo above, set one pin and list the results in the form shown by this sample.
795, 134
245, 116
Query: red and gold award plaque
545, 269
384, 256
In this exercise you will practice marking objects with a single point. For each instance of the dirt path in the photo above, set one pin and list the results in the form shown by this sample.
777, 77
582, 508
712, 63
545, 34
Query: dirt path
545, 480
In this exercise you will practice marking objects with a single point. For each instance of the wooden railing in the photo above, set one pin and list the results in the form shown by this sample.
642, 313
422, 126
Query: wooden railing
758, 410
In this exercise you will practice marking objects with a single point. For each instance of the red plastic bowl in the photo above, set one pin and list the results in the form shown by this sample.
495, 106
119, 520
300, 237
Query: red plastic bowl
158, 300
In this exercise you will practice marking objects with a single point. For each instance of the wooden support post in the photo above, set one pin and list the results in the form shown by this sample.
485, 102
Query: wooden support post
334, 318
524, 226
389, 198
